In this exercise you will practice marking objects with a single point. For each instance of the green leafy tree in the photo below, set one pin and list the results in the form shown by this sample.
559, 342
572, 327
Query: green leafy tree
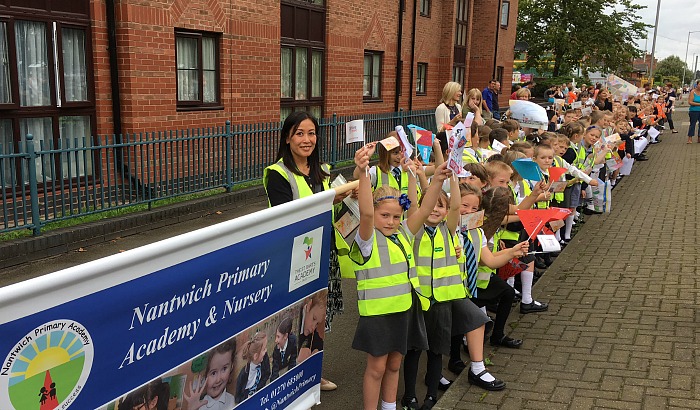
592, 34
671, 66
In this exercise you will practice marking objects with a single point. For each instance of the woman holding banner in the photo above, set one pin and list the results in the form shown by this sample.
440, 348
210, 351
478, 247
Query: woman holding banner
298, 172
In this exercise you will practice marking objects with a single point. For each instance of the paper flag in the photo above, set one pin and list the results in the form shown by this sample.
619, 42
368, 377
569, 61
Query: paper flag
534, 220
653, 133
527, 169
390, 143
354, 131
403, 139
497, 146
469, 119
471, 221
586, 111
424, 142
558, 186
576, 104
613, 139
549, 243
555, 173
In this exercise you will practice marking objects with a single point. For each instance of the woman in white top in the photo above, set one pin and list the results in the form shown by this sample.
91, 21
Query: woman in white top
449, 111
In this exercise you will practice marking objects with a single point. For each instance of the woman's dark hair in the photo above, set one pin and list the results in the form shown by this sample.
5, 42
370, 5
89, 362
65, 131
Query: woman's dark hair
145, 395
290, 126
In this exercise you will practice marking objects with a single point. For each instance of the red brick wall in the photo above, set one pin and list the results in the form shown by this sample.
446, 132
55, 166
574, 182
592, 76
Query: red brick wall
505, 54
250, 57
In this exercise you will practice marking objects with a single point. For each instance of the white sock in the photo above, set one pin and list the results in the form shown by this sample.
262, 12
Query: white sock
569, 224
478, 367
483, 309
388, 406
526, 278
511, 281
557, 235
443, 380
577, 214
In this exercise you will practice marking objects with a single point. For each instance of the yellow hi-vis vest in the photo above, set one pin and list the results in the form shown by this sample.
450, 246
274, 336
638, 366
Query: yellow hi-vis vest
580, 160
385, 280
475, 236
468, 158
300, 189
484, 273
437, 266
384, 178
559, 162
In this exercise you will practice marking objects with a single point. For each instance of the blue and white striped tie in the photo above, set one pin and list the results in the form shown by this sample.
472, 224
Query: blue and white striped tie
470, 265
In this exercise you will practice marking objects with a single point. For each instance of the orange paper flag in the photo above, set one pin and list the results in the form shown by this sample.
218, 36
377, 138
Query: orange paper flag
535, 220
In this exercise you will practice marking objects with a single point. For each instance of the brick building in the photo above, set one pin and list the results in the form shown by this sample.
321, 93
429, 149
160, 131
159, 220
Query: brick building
189, 63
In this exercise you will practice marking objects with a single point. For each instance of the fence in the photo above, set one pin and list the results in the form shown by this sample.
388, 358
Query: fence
45, 181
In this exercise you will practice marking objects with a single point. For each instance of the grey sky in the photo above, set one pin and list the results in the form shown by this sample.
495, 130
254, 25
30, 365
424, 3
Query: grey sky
676, 19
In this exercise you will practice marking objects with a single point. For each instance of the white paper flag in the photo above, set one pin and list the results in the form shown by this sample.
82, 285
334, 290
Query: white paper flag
354, 131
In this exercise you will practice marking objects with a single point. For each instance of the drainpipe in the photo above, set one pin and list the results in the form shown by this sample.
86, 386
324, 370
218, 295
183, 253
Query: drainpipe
498, 30
116, 107
402, 5
413, 55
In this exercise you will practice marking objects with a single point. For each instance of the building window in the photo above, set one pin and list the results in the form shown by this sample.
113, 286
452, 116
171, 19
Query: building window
421, 76
47, 88
458, 72
302, 57
505, 13
425, 8
197, 61
499, 74
372, 80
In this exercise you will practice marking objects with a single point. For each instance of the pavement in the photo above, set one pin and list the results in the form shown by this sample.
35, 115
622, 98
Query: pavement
622, 329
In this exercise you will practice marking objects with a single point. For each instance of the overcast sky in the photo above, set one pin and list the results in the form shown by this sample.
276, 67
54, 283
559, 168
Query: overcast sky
676, 19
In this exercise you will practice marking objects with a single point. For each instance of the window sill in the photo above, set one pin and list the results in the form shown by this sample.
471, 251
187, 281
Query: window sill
200, 108
372, 100
421, 94
425, 15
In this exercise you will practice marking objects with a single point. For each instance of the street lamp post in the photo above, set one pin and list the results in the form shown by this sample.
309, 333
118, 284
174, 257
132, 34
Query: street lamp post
653, 44
685, 68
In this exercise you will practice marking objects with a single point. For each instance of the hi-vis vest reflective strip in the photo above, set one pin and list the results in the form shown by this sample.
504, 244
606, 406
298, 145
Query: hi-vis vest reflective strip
559, 162
384, 178
437, 266
386, 280
475, 236
468, 158
580, 160
543, 204
300, 188
484, 273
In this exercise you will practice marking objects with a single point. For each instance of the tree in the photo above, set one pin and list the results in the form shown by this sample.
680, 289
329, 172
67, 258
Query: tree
591, 34
672, 66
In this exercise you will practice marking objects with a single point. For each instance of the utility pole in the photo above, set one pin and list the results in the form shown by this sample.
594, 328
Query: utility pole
653, 44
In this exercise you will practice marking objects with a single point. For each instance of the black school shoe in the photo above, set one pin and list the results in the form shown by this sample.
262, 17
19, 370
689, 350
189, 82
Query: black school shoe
456, 367
506, 341
533, 307
428, 403
409, 403
442, 386
476, 380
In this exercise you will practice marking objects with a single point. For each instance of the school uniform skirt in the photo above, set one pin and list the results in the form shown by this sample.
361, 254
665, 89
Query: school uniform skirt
572, 196
446, 319
395, 332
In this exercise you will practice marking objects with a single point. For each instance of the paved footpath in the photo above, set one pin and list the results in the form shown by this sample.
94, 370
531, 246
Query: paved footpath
621, 331
623, 328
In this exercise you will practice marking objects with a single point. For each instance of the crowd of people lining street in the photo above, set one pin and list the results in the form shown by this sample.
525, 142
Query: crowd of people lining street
425, 281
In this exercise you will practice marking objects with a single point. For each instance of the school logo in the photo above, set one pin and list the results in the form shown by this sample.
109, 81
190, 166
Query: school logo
308, 242
47, 369
306, 258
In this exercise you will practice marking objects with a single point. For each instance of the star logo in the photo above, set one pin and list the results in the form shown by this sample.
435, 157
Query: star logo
308, 242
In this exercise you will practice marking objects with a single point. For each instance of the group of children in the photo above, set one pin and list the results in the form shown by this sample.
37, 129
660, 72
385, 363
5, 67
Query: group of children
425, 281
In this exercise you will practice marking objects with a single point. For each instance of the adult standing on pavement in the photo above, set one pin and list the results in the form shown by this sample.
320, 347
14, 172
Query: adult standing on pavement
694, 111
668, 108
449, 111
490, 97
298, 172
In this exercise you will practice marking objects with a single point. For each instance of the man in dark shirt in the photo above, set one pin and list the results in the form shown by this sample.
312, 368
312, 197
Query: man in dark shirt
490, 96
